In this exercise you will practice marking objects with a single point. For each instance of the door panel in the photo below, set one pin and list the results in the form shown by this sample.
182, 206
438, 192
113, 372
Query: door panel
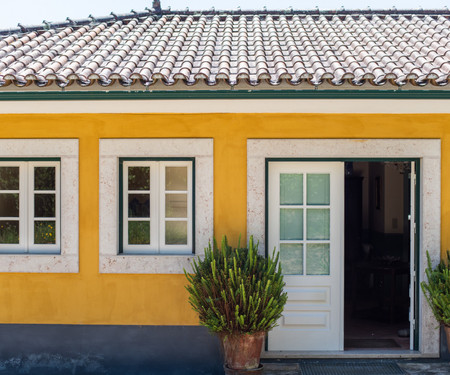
306, 223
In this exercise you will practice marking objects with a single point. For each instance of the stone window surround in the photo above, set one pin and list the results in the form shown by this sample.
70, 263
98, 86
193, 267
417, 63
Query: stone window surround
427, 150
110, 151
67, 261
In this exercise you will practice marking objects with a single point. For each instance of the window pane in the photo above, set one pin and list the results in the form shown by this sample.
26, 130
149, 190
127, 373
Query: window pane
318, 224
176, 233
318, 259
176, 205
176, 178
139, 232
291, 188
318, 189
291, 224
138, 205
291, 257
44, 178
9, 205
9, 231
44, 205
44, 232
9, 178
139, 178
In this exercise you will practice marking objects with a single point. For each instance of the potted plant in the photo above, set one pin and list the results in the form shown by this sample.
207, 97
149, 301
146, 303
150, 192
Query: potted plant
239, 296
437, 292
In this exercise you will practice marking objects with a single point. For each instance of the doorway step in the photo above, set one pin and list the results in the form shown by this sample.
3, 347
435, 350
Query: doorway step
357, 367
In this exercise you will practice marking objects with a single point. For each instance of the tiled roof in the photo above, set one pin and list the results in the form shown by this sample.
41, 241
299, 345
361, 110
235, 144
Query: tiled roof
218, 50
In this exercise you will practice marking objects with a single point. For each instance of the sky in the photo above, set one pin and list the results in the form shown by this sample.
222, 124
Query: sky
33, 12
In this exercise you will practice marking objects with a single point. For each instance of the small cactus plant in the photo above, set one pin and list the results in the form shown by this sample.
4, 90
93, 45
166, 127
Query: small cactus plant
437, 289
236, 290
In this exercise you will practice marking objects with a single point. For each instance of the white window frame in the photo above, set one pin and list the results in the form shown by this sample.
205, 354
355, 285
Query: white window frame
110, 151
157, 208
65, 258
26, 208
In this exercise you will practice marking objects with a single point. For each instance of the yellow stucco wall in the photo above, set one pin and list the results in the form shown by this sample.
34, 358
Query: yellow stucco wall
92, 298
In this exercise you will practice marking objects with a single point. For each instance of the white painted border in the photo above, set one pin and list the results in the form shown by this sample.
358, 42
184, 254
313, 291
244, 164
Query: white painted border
429, 152
230, 106
67, 150
110, 152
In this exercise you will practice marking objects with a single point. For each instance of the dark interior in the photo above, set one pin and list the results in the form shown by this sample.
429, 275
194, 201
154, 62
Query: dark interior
377, 255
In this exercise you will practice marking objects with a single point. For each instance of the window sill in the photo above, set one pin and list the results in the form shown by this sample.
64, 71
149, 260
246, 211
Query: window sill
42, 263
155, 264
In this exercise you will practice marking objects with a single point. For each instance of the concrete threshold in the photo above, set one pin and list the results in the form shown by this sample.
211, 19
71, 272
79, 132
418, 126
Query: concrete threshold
347, 354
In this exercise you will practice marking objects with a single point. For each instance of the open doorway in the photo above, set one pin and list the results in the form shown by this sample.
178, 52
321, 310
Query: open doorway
377, 255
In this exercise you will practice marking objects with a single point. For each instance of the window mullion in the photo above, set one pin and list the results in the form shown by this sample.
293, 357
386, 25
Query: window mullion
26, 215
161, 206
154, 206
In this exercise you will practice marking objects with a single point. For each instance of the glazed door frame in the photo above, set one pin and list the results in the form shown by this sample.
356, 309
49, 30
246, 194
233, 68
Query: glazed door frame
415, 223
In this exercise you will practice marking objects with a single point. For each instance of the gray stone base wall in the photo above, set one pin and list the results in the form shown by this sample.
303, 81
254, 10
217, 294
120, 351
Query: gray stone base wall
445, 355
94, 349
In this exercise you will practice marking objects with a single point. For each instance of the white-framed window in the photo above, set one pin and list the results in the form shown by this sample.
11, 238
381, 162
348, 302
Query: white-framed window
34, 161
195, 154
157, 206
30, 206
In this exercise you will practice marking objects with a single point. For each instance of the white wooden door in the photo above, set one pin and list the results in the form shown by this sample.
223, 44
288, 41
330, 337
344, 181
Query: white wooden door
306, 225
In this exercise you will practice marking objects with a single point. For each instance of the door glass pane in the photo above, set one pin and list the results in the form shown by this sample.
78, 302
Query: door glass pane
176, 178
139, 178
318, 189
291, 188
318, 224
176, 233
176, 205
44, 178
138, 205
44, 205
9, 205
44, 232
317, 259
291, 224
9, 231
9, 178
139, 232
291, 257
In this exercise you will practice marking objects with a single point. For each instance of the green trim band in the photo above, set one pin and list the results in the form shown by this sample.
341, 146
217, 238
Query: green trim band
225, 94
29, 159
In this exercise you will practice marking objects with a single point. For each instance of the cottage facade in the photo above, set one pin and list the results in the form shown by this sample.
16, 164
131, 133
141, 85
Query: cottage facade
127, 143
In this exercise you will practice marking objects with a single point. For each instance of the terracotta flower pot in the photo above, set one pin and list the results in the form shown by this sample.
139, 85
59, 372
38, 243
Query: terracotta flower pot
447, 333
242, 351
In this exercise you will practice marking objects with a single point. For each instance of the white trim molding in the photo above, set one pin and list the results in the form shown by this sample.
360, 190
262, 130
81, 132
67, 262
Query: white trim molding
397, 106
68, 258
110, 152
427, 150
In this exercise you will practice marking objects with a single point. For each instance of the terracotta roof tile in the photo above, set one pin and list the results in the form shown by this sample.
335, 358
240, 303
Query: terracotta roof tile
293, 50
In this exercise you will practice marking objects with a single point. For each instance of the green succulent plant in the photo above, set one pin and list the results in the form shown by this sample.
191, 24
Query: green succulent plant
235, 290
437, 289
